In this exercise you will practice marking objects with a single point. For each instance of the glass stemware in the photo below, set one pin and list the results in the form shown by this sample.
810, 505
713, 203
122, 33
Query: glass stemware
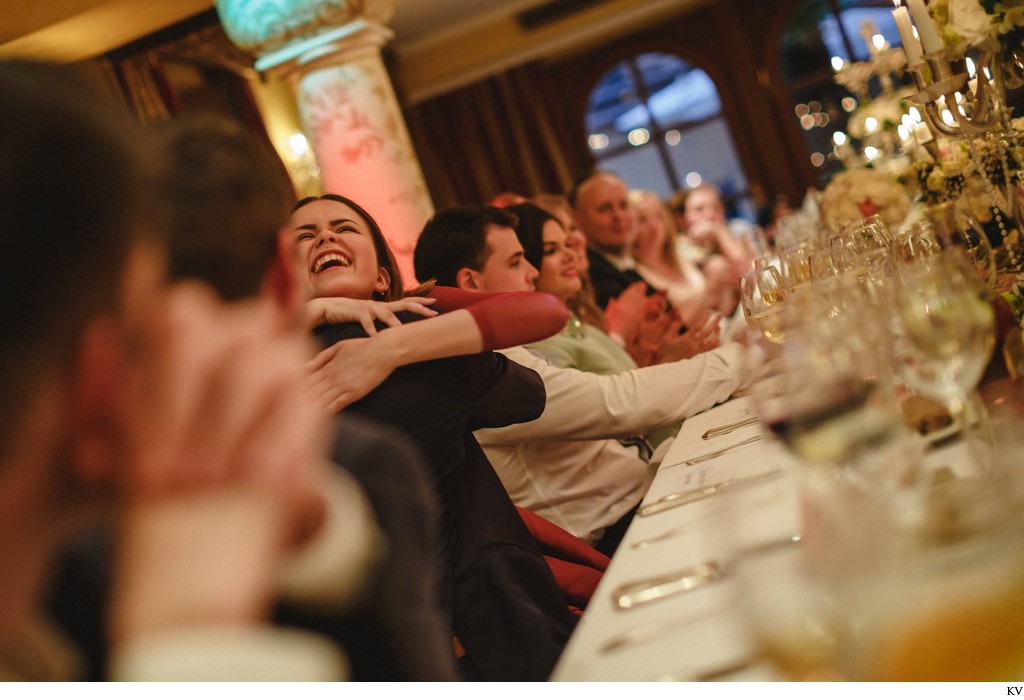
948, 329
914, 243
763, 296
958, 229
830, 397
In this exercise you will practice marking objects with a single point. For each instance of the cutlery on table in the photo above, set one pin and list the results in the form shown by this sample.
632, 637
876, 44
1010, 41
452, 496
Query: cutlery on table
648, 590
728, 428
717, 453
681, 498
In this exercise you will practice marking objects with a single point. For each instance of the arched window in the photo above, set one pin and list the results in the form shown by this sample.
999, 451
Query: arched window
656, 121
822, 36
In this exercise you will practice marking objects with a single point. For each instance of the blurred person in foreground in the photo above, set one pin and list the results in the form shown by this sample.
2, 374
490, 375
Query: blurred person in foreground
158, 409
368, 580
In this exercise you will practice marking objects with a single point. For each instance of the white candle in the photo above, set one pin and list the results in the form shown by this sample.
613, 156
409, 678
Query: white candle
926, 28
911, 46
922, 133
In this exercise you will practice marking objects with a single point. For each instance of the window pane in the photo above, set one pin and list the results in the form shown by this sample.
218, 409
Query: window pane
682, 109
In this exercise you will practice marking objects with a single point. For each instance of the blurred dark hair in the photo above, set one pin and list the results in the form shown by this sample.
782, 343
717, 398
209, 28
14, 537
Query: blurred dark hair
456, 238
73, 190
385, 258
227, 195
530, 230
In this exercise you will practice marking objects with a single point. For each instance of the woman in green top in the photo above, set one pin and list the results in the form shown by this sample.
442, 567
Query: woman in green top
581, 345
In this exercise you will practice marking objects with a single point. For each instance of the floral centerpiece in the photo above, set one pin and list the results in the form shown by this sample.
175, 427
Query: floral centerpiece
970, 22
982, 176
862, 192
969, 172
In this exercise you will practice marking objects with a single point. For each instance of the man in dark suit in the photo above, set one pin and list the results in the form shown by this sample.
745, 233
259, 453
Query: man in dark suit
603, 212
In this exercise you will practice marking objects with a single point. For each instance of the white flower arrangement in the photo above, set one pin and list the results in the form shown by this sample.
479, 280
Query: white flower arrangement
886, 110
858, 193
971, 22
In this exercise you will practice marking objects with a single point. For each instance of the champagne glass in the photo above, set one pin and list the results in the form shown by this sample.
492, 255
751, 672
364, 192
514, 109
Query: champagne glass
820, 265
833, 400
958, 229
763, 296
914, 243
948, 329
795, 265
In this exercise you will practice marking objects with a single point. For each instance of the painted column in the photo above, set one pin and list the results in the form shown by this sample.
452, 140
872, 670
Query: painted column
331, 50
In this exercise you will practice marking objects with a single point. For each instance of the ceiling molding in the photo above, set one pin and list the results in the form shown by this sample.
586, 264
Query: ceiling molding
477, 48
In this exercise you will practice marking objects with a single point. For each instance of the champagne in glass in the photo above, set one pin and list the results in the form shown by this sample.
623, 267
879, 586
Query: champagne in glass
763, 297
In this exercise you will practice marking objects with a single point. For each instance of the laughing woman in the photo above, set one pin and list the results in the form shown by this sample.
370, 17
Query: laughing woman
508, 616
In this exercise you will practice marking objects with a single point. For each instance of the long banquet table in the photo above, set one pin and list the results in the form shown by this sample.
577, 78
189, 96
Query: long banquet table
697, 634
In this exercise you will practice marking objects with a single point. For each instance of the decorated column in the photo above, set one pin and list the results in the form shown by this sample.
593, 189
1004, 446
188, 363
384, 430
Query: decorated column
331, 49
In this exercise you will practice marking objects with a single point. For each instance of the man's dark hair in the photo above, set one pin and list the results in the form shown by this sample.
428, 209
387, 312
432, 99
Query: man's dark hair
456, 238
72, 194
227, 195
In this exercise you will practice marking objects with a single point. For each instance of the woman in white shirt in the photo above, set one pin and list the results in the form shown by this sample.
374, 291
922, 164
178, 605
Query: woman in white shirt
654, 249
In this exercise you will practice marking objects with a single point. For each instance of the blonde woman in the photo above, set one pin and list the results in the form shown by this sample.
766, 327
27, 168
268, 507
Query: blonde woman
654, 249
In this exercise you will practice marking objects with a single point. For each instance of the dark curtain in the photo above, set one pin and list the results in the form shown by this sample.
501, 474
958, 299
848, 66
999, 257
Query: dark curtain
143, 87
506, 133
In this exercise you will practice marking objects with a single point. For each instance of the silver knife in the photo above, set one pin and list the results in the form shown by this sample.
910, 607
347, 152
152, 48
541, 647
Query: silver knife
681, 498
711, 455
728, 428
630, 595
719, 453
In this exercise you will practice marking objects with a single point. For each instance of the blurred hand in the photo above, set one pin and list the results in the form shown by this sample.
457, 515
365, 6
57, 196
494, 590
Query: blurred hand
701, 335
213, 394
222, 460
651, 323
622, 315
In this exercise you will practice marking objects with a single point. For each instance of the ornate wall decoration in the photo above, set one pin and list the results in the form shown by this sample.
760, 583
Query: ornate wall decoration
264, 26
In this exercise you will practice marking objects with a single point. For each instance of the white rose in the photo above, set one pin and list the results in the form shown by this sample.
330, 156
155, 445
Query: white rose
969, 19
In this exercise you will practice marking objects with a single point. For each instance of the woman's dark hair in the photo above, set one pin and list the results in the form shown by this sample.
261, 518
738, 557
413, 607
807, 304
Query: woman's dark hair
530, 230
385, 258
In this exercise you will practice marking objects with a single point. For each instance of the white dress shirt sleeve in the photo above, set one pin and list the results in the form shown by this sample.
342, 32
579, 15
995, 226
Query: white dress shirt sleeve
586, 406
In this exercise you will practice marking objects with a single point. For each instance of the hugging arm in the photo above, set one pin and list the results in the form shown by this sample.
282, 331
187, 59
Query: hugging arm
473, 322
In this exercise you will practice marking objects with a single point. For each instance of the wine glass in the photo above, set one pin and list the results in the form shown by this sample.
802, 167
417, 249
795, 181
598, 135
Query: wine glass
914, 243
948, 329
831, 398
763, 296
956, 228
820, 265
946, 587
795, 265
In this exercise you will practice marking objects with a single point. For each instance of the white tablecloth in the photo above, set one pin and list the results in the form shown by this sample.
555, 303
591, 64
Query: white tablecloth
698, 634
